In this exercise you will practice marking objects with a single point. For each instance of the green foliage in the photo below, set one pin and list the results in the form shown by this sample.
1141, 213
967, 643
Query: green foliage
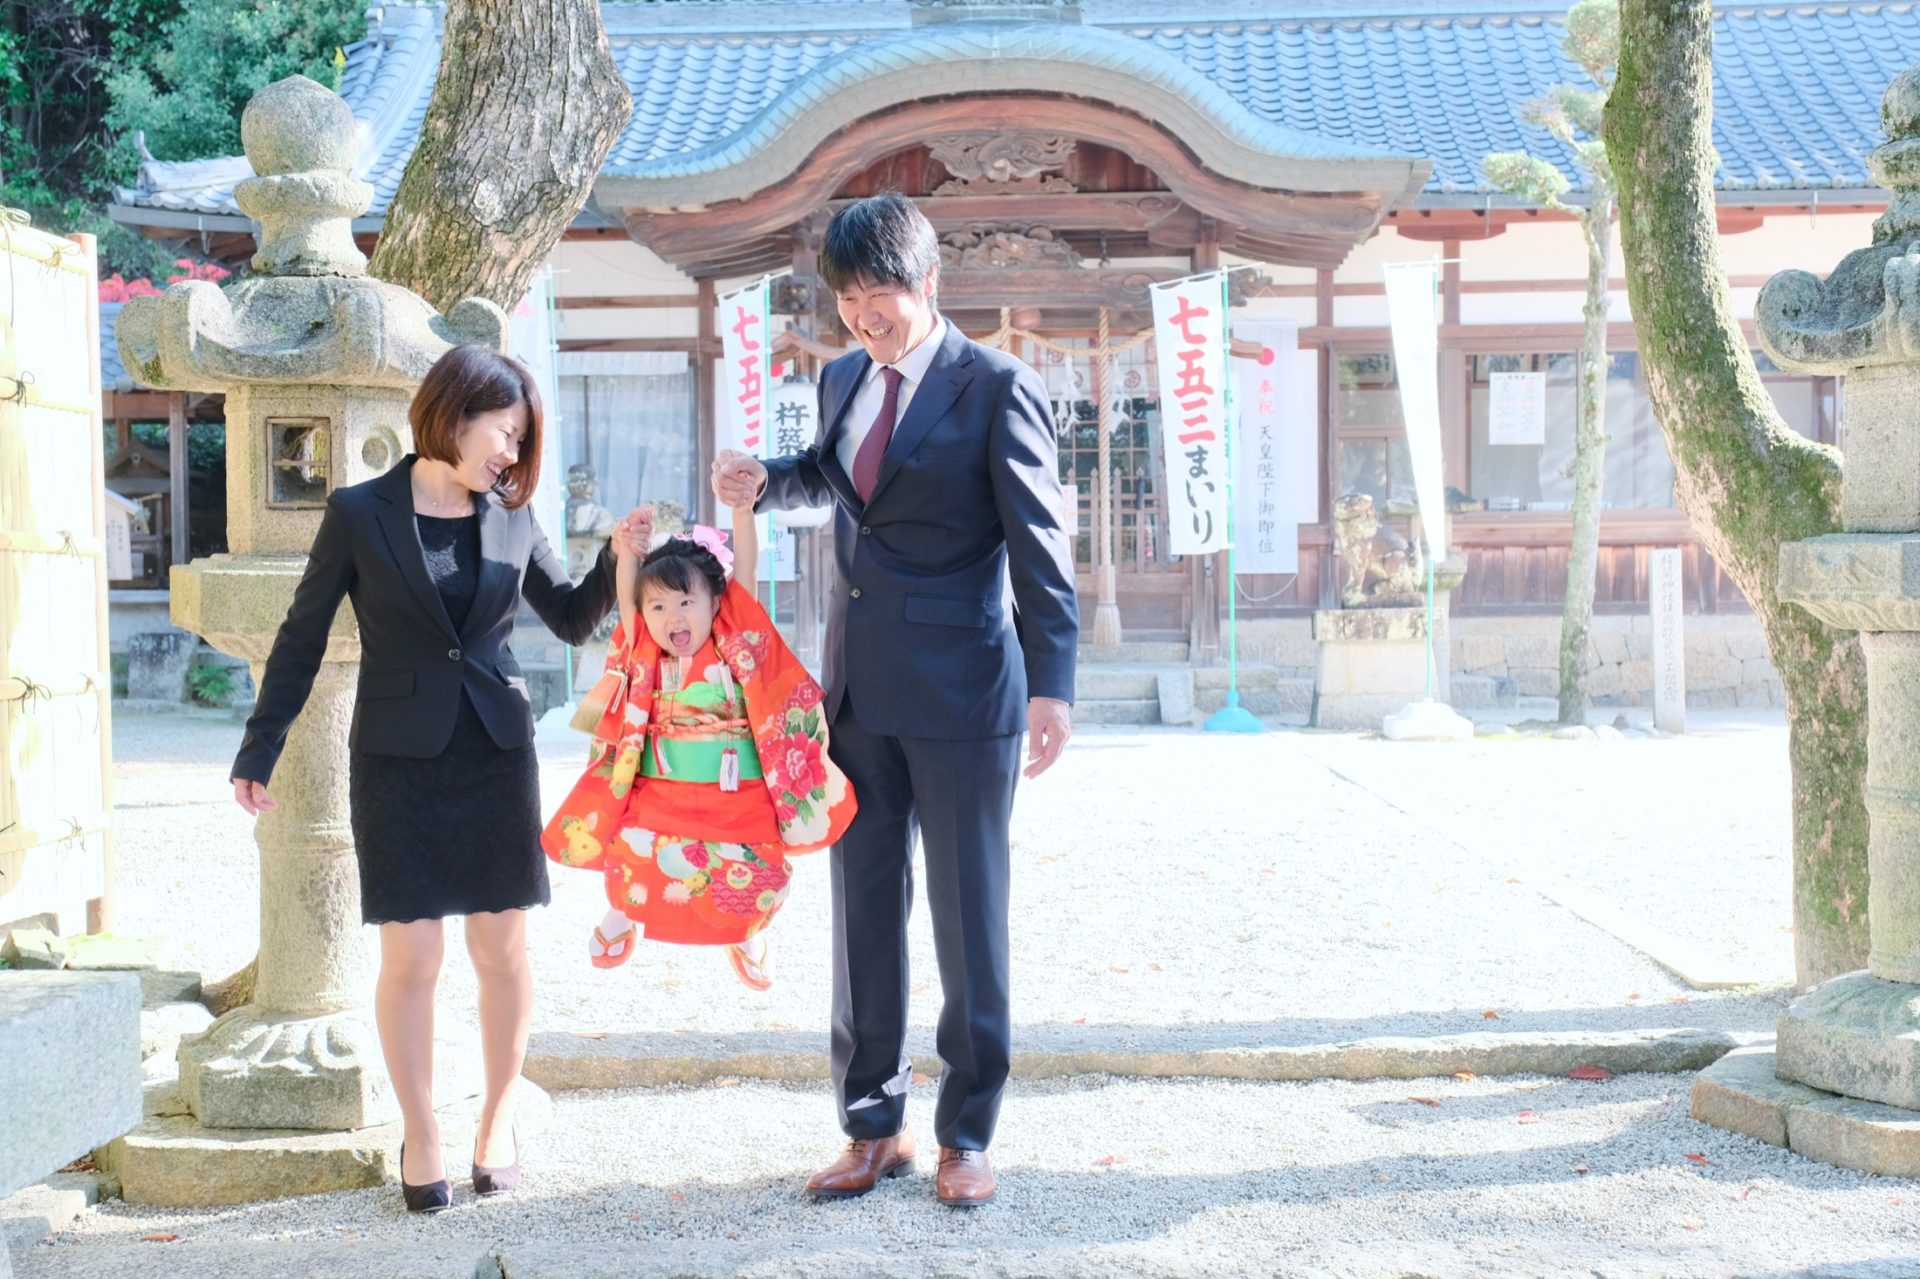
1593, 41
1532, 179
211, 685
206, 441
213, 56
78, 78
1568, 112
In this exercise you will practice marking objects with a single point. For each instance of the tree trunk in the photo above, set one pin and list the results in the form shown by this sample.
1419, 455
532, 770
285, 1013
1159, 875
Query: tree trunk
1589, 461
1747, 482
527, 104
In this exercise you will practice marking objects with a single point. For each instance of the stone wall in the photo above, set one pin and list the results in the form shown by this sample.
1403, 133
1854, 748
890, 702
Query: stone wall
1727, 664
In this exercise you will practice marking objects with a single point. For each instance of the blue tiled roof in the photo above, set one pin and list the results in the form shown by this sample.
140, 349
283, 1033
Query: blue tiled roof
113, 374
1797, 90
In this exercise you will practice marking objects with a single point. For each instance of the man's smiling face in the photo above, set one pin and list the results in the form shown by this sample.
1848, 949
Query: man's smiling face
889, 320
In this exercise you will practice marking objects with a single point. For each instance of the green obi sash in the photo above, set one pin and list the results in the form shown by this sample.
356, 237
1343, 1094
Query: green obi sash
697, 759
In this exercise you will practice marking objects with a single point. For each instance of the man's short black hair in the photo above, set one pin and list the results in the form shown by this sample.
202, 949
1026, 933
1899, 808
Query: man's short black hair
883, 239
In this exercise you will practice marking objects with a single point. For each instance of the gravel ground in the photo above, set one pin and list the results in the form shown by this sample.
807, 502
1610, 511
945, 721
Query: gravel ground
1172, 890
1650, 825
1108, 1177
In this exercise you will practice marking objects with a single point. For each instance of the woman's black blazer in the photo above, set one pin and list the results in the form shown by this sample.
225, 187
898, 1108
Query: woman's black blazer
413, 661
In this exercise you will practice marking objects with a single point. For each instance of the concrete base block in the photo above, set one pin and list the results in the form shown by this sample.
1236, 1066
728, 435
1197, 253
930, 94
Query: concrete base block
39, 948
1425, 721
1175, 688
1362, 712
1856, 1036
159, 986
30, 1215
157, 665
1741, 1094
253, 1069
162, 1028
69, 1068
174, 1162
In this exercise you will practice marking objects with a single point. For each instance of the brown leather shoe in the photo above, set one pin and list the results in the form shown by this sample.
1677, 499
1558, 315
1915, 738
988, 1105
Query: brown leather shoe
964, 1179
861, 1166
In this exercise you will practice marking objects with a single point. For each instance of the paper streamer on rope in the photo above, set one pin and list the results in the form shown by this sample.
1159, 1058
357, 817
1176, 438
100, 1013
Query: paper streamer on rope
1276, 452
1411, 294
1190, 342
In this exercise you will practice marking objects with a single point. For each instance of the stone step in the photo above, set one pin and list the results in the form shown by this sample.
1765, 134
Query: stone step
1275, 695
564, 1062
1118, 711
1248, 674
1136, 652
1481, 692
1115, 683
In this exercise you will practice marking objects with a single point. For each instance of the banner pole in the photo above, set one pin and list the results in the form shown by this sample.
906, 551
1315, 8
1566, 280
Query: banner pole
1233, 718
766, 448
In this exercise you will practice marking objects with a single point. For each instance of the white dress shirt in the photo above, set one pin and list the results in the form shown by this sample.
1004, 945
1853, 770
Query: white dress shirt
873, 392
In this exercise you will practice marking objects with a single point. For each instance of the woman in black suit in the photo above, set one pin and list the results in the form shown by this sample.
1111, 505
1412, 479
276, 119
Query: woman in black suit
435, 555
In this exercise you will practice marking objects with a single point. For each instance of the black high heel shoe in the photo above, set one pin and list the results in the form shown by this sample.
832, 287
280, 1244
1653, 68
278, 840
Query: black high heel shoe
488, 1182
435, 1196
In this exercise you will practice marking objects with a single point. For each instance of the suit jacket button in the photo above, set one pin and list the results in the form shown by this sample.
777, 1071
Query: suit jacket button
865, 531
453, 654
856, 592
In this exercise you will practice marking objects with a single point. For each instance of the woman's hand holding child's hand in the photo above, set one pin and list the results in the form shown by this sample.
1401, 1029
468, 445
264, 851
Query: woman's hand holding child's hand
633, 535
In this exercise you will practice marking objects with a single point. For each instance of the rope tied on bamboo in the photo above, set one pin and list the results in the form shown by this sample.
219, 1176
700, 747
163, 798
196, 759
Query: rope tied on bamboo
21, 381
31, 688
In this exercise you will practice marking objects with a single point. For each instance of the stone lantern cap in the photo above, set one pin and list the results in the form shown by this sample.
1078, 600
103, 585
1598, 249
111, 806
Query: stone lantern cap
309, 313
1868, 311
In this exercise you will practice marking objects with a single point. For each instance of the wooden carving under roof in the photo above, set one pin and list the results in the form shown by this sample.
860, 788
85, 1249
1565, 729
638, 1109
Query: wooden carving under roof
1021, 162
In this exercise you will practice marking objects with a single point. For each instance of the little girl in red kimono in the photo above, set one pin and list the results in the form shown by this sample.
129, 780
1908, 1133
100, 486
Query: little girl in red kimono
709, 764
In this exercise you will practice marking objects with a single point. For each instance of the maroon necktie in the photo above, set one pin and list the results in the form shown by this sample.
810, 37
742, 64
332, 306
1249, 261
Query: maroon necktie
866, 460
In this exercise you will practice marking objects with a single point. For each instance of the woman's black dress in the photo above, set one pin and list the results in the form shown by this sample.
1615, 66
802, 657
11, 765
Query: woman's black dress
458, 834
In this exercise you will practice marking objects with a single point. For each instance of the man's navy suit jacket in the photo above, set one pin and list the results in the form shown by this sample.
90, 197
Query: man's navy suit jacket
954, 597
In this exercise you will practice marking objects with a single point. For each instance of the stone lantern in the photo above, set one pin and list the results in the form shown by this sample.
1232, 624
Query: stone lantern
317, 361
1843, 1084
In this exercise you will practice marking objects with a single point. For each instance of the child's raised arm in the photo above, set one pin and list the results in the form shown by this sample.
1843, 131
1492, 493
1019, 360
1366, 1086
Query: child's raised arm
631, 541
746, 549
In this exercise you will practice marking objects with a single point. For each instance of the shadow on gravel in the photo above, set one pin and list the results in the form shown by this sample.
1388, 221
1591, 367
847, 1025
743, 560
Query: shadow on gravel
1752, 1012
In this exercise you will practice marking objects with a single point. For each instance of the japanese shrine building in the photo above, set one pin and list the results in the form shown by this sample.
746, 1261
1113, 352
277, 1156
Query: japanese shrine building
1071, 153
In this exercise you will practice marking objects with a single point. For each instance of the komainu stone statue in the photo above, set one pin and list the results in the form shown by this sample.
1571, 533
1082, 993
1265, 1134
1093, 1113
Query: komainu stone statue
585, 516
1378, 568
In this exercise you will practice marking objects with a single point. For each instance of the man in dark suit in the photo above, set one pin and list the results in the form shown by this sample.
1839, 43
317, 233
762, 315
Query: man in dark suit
952, 629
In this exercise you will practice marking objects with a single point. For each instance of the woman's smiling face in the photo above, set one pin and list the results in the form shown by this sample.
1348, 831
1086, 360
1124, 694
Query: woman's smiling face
489, 443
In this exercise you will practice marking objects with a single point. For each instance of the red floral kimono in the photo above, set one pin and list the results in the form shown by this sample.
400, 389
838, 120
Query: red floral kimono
706, 774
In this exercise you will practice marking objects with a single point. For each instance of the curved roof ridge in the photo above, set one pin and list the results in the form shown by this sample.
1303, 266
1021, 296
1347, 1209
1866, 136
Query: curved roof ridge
874, 74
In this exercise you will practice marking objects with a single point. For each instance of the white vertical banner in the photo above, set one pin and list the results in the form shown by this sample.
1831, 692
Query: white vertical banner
747, 369
1190, 344
1411, 296
531, 340
1276, 450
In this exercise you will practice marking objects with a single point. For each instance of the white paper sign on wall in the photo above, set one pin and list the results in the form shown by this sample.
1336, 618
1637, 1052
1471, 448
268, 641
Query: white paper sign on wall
1517, 408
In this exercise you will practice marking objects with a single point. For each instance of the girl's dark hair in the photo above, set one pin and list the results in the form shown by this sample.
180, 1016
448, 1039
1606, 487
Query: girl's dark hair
467, 381
883, 239
671, 567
